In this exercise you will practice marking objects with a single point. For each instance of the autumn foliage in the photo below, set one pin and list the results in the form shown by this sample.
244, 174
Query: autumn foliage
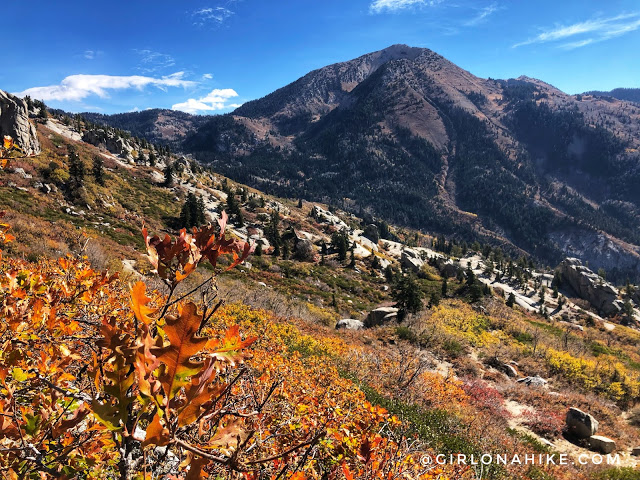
103, 380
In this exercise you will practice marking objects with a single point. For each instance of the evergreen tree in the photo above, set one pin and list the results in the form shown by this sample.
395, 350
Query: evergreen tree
408, 296
511, 301
97, 169
340, 243
258, 250
352, 262
272, 232
168, 175
77, 171
445, 287
192, 213
152, 158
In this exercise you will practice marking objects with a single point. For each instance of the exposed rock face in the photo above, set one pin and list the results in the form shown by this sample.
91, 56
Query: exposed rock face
380, 316
602, 444
323, 216
581, 424
590, 286
349, 324
14, 122
411, 260
108, 140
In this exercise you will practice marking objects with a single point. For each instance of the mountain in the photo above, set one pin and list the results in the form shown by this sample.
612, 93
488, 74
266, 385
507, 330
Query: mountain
628, 94
406, 135
167, 127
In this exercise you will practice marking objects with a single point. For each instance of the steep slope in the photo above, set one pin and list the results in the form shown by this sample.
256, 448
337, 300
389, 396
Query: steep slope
408, 136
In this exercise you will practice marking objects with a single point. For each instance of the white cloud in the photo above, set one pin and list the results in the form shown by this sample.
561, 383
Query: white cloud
207, 76
379, 6
78, 87
216, 100
482, 15
216, 15
89, 54
596, 30
151, 61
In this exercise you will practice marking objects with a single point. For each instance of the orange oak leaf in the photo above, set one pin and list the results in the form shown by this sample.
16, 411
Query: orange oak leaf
157, 434
183, 344
140, 302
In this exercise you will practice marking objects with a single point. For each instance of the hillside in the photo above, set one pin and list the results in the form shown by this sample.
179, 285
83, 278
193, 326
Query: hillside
490, 358
628, 94
408, 136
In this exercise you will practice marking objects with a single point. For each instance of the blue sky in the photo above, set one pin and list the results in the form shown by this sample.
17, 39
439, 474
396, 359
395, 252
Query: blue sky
207, 56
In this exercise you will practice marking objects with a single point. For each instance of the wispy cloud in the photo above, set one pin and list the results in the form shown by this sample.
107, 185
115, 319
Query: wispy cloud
207, 76
151, 61
216, 100
78, 87
210, 15
587, 32
90, 54
381, 6
482, 15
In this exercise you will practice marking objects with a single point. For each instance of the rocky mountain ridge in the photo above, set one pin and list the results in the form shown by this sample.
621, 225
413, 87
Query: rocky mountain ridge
408, 136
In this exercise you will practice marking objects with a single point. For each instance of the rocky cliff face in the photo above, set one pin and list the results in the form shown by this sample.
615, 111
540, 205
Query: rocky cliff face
14, 122
590, 286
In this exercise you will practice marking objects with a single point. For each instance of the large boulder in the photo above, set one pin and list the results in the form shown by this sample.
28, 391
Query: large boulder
14, 122
590, 286
411, 260
601, 444
534, 381
349, 324
581, 424
380, 316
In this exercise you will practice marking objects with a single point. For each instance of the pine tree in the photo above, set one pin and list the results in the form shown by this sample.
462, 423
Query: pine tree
168, 175
445, 287
97, 169
152, 159
192, 213
408, 296
77, 171
511, 300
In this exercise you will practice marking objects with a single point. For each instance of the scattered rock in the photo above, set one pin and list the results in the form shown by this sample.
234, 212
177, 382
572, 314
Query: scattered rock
581, 424
22, 173
534, 381
509, 370
349, 324
602, 444
380, 316
635, 452
14, 122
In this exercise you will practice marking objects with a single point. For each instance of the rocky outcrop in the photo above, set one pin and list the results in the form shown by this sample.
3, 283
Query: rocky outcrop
323, 216
380, 316
14, 122
581, 424
411, 260
349, 324
601, 444
111, 142
599, 293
